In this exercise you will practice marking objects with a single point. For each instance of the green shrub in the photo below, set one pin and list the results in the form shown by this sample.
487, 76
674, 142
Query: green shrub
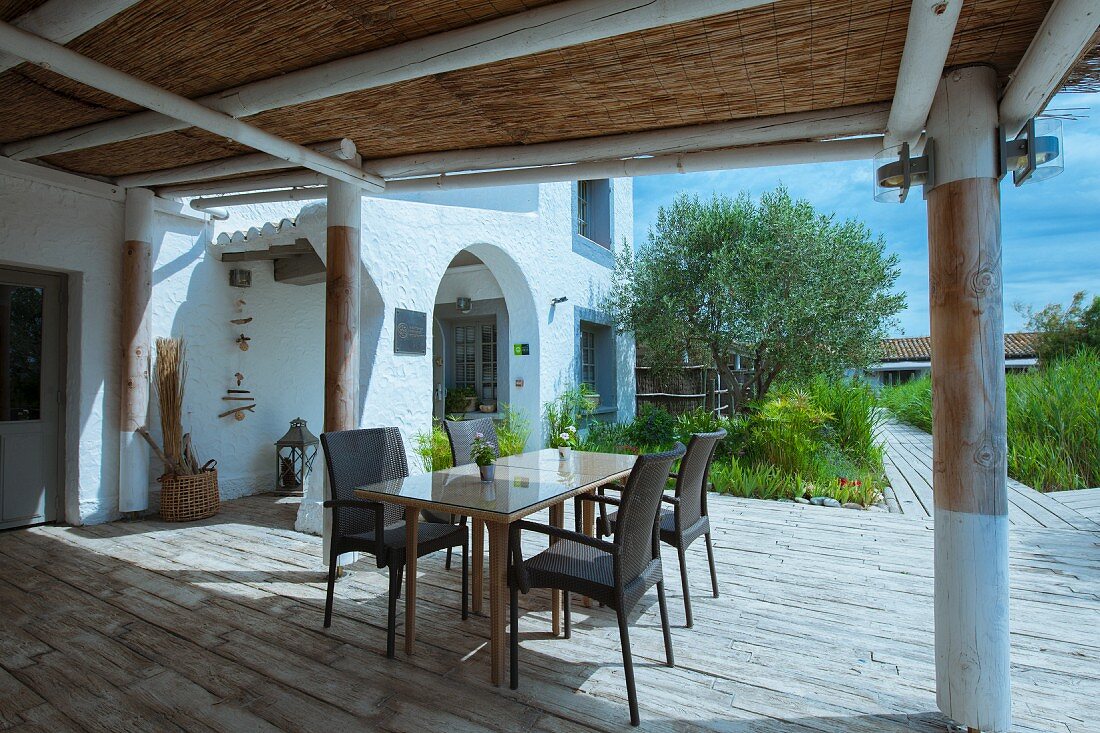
788, 431
568, 409
652, 427
606, 437
457, 398
854, 418
1054, 424
513, 430
910, 402
433, 449
753, 482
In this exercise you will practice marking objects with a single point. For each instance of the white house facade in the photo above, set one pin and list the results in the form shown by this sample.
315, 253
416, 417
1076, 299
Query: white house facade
533, 283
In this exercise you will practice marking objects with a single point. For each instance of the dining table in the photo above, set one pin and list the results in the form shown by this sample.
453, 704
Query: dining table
523, 484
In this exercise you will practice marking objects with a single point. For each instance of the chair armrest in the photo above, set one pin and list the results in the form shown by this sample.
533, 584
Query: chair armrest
673, 500
564, 534
596, 498
351, 504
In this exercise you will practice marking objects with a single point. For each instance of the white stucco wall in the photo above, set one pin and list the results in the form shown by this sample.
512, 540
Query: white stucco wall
523, 234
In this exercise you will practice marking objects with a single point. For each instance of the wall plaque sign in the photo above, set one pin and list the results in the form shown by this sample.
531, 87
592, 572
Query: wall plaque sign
410, 331
521, 349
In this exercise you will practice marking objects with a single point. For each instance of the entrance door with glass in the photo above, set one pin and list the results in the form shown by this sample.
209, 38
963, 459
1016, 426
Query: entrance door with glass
31, 326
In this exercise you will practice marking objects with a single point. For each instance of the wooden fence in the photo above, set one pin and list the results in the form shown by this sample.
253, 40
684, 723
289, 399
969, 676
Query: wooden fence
683, 389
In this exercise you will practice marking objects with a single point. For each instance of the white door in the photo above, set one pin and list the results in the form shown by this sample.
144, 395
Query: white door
30, 396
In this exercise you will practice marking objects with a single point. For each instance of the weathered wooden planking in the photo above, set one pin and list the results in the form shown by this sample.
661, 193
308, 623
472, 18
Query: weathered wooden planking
908, 462
824, 625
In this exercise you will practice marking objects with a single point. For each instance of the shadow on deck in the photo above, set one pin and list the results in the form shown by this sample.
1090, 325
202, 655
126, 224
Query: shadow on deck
824, 625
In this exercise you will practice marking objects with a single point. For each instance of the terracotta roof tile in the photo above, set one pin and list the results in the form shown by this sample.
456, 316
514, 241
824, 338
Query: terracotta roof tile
1017, 346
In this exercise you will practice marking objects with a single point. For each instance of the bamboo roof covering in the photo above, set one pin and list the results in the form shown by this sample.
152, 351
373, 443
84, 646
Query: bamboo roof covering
790, 56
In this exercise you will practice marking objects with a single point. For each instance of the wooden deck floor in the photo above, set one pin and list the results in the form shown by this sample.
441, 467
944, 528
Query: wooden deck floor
824, 625
909, 469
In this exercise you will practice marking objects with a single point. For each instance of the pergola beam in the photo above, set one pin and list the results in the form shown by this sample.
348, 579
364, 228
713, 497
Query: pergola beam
1064, 36
864, 119
927, 43
547, 28
80, 68
343, 149
733, 159
63, 20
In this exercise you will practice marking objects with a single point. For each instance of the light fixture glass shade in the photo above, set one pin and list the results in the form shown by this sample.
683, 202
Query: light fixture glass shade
1045, 139
463, 305
888, 176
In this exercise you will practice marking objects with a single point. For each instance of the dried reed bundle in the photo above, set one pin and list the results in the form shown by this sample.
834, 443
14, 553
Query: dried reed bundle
169, 376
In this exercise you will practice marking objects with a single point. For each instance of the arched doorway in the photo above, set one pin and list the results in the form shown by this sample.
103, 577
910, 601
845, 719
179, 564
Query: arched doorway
485, 338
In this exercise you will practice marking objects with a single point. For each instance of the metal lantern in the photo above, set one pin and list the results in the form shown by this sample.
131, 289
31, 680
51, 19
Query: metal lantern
294, 456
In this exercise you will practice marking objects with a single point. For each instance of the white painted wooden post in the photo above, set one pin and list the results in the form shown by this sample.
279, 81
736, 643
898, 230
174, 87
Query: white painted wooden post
969, 418
136, 289
341, 321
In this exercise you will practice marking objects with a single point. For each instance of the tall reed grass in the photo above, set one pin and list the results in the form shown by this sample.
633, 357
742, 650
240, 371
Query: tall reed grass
1053, 421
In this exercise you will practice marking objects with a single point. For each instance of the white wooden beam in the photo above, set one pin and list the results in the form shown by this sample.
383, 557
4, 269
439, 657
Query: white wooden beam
762, 156
736, 158
68, 63
212, 203
63, 20
927, 42
1065, 34
534, 31
843, 122
343, 149
288, 179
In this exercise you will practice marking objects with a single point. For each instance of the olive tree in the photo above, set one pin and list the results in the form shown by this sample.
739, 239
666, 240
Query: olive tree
794, 292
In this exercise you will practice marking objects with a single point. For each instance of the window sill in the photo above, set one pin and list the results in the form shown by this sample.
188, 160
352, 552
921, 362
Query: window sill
604, 410
591, 250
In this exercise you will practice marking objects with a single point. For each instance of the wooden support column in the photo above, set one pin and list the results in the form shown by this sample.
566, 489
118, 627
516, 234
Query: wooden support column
341, 320
136, 292
968, 397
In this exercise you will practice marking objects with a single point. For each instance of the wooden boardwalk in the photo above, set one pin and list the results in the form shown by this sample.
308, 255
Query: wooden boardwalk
909, 469
824, 626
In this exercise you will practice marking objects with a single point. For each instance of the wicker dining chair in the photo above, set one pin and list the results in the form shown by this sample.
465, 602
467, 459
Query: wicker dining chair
687, 520
460, 436
355, 458
616, 573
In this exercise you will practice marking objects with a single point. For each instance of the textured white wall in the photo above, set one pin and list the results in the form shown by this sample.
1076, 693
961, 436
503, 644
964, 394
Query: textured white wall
406, 248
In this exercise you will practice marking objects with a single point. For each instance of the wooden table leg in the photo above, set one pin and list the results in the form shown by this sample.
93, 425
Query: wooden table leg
588, 523
477, 560
412, 525
557, 519
498, 596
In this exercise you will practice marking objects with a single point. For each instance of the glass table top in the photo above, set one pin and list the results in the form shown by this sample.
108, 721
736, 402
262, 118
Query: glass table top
515, 491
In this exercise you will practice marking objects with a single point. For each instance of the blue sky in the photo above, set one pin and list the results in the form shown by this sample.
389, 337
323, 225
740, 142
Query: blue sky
1050, 230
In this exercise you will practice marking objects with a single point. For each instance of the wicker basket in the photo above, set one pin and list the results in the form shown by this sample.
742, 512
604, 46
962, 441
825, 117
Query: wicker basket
187, 498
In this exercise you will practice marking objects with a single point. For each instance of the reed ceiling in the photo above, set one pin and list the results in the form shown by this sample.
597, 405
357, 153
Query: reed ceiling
793, 55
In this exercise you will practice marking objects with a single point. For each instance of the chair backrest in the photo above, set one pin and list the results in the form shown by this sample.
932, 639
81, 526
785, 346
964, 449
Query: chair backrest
641, 499
691, 482
460, 434
356, 458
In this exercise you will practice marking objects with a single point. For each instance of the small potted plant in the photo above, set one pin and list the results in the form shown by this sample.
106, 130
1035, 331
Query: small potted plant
484, 455
461, 400
564, 441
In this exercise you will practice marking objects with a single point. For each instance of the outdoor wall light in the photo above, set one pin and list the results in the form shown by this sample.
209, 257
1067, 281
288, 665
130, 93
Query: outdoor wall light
555, 301
1036, 153
463, 305
896, 171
